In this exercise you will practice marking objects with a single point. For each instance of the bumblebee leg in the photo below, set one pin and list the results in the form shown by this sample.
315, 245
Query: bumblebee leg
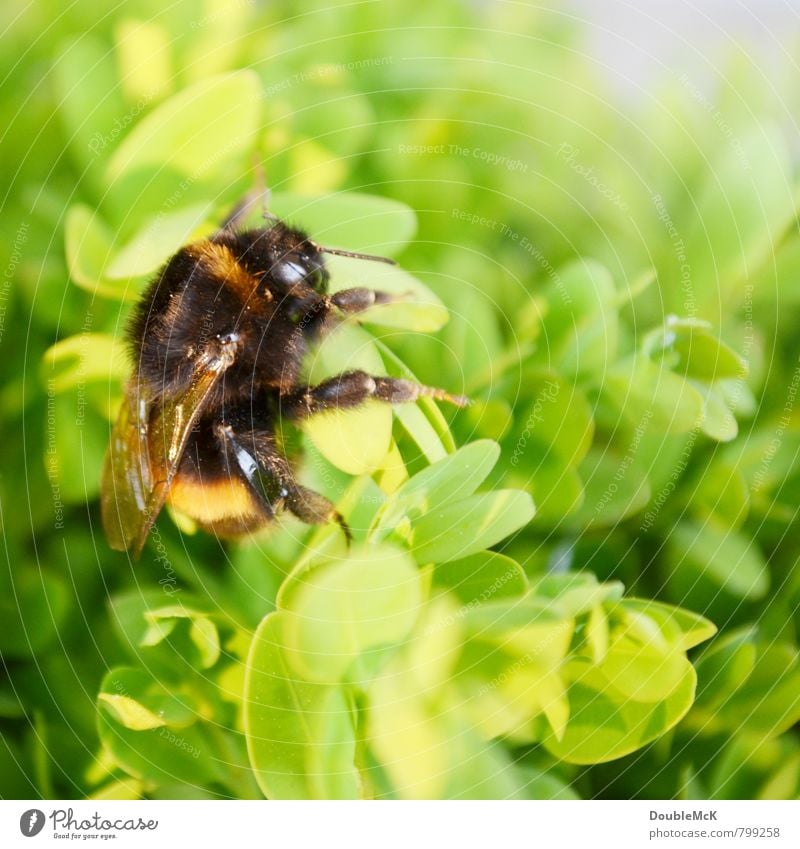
352, 388
357, 300
318, 314
314, 509
254, 455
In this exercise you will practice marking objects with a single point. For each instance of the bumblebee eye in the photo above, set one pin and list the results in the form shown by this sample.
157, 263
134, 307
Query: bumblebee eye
318, 279
289, 273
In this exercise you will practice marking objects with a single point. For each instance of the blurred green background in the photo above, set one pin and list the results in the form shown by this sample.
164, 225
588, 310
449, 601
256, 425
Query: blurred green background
622, 277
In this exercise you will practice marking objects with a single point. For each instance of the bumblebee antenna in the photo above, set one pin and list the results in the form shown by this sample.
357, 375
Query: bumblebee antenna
259, 193
261, 186
372, 257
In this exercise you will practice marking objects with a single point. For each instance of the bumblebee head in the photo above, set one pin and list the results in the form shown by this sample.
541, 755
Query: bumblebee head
302, 259
297, 260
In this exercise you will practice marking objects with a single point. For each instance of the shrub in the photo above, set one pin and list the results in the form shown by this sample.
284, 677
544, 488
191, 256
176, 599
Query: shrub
528, 575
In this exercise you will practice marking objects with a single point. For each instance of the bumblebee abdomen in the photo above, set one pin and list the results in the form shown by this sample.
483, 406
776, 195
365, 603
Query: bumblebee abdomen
225, 506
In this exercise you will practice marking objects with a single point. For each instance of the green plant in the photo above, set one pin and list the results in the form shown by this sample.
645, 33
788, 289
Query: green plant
369, 678
611, 291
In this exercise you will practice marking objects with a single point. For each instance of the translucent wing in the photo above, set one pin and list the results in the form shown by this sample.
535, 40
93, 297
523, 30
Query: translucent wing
127, 476
147, 443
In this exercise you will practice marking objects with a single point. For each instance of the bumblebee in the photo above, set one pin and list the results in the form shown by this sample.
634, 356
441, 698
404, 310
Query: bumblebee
218, 341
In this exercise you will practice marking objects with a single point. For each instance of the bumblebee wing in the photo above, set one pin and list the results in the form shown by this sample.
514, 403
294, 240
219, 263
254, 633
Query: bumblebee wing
127, 477
142, 464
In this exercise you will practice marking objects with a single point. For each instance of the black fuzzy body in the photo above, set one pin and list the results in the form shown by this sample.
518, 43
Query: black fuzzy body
231, 285
189, 304
218, 341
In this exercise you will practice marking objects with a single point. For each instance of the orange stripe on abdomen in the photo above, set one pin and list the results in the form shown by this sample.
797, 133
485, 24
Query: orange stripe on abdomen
214, 501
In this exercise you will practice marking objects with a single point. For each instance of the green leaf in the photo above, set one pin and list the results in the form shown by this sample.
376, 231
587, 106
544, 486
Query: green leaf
680, 628
349, 220
128, 790
718, 421
348, 608
472, 341
162, 636
130, 704
33, 610
74, 452
542, 784
354, 440
133, 696
158, 631
88, 243
90, 103
738, 396
701, 355
313, 167
409, 739
329, 106
156, 241
143, 56
767, 703
482, 771
785, 782
490, 419
254, 578
300, 735
465, 527
202, 631
651, 395
449, 479
597, 634
640, 671
415, 419
602, 726
428, 752
576, 593
726, 557
130, 713
615, 487
724, 666
77, 360
524, 629
722, 493
740, 766
581, 327
764, 459
430, 653
424, 421
744, 205
482, 577
558, 423
205, 636
510, 671
777, 277
416, 307
196, 131
557, 491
